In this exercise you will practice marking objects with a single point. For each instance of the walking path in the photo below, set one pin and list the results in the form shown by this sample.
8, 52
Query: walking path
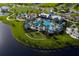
32, 38
71, 21
8, 18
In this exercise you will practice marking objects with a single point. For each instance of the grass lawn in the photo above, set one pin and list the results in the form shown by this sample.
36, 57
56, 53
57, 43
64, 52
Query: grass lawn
76, 8
48, 5
75, 14
24, 9
3, 4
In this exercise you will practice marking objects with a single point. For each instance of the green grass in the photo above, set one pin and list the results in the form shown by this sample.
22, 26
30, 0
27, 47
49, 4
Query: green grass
48, 5
76, 8
3, 4
25, 9
19, 33
75, 14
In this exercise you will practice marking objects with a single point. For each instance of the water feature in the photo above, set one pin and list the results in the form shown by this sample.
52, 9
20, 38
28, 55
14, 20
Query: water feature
9, 46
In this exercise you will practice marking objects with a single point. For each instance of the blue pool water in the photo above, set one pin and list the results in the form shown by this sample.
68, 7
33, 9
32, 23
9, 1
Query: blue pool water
47, 23
37, 23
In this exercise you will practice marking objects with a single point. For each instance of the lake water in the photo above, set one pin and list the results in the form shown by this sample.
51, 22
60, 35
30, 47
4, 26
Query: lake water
9, 46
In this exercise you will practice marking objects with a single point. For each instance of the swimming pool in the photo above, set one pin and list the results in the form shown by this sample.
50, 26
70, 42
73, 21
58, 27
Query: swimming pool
47, 25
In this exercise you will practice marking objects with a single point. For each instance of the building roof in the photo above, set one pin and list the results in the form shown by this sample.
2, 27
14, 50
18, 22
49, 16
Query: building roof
73, 34
56, 16
4, 7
